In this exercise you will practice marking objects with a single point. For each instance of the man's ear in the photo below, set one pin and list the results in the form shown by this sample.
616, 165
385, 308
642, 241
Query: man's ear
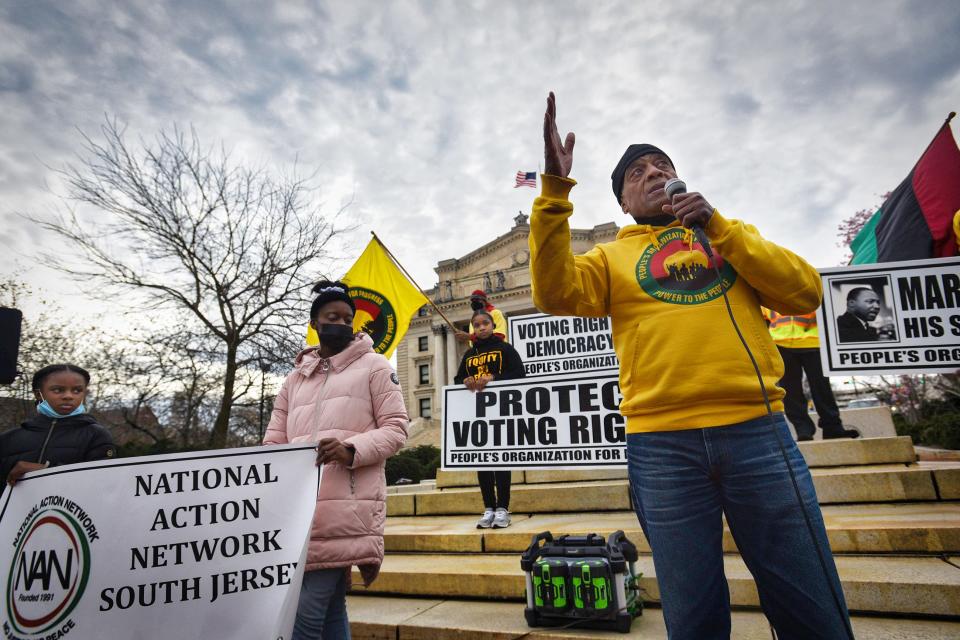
37, 398
313, 325
624, 208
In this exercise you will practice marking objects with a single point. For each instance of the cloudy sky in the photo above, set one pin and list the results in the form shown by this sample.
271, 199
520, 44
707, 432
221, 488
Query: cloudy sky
790, 115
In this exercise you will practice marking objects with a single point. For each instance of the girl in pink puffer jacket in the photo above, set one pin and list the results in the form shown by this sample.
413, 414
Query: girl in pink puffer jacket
347, 399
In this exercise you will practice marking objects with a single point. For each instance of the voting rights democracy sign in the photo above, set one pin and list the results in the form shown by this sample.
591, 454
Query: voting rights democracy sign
562, 344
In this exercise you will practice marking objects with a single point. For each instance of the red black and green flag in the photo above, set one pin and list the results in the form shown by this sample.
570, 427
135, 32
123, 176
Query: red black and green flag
916, 221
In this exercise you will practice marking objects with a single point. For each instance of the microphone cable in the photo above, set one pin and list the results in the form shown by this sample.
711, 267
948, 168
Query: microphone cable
844, 613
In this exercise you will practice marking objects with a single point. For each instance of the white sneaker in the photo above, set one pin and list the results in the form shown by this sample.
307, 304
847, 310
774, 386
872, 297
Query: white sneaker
486, 520
501, 519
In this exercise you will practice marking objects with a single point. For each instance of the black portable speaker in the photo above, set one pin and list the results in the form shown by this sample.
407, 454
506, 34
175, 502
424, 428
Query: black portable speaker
10, 321
585, 581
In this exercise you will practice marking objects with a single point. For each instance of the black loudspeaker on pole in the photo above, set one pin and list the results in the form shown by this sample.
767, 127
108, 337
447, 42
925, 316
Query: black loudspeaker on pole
10, 321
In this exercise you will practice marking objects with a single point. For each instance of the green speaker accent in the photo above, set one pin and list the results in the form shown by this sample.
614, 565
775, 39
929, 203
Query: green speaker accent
592, 584
550, 578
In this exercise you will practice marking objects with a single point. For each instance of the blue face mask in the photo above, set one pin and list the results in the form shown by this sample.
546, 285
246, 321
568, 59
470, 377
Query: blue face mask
45, 409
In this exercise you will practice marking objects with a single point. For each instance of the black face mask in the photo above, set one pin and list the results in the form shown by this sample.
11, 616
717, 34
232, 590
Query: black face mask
476, 305
335, 337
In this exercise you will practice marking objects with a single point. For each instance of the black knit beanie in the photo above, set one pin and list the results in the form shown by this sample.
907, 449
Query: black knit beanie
328, 291
633, 152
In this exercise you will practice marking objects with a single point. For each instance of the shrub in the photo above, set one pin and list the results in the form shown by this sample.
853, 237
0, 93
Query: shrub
418, 463
401, 466
942, 430
937, 430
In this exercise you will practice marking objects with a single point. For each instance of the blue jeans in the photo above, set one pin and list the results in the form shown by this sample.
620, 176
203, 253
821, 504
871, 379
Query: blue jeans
322, 610
684, 481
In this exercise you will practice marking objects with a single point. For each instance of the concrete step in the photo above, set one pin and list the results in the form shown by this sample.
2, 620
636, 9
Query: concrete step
838, 453
820, 453
424, 485
452, 479
834, 485
947, 480
922, 528
936, 454
887, 585
386, 618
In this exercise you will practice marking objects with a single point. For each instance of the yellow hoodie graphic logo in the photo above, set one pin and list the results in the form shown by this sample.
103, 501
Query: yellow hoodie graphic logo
686, 265
676, 270
489, 363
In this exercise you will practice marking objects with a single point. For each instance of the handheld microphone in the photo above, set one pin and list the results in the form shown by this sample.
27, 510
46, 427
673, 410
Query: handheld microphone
674, 187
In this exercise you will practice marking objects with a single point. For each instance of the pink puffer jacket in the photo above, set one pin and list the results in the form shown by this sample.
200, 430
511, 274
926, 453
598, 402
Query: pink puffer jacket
354, 396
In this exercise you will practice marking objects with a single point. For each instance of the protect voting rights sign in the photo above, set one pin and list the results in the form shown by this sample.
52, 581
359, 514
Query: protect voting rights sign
891, 318
204, 545
561, 422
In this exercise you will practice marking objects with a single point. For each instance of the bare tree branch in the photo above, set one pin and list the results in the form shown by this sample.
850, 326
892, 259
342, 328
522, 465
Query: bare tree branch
232, 247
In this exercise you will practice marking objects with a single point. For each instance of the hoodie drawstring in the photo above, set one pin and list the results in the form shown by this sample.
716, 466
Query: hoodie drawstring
652, 235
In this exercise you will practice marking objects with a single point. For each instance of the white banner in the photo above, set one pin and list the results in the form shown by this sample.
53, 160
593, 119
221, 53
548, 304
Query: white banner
200, 545
563, 422
891, 318
562, 344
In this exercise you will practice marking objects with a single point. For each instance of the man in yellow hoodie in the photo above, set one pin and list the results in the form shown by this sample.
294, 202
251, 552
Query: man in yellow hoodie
700, 443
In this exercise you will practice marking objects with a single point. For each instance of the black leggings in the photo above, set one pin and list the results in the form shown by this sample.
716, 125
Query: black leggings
499, 499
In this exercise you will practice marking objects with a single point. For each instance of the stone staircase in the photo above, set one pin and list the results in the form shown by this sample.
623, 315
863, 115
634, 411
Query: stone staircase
893, 524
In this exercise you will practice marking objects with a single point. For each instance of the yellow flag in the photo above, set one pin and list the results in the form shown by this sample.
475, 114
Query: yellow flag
385, 299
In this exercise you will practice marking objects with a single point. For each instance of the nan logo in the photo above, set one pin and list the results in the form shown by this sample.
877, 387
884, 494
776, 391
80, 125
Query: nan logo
49, 571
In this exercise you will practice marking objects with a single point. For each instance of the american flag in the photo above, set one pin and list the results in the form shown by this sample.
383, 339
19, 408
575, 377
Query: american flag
526, 179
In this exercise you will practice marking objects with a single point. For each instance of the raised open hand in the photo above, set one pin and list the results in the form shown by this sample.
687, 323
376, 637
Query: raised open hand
557, 155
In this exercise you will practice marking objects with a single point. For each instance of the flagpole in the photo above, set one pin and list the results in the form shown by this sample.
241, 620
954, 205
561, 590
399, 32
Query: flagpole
419, 288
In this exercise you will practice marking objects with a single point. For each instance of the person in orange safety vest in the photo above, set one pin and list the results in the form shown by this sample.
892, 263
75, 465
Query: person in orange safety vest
798, 341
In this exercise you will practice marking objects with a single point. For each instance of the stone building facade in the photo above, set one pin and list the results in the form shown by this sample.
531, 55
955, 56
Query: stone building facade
428, 356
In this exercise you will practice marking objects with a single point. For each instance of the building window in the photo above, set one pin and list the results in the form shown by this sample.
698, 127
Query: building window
423, 343
423, 311
424, 374
425, 408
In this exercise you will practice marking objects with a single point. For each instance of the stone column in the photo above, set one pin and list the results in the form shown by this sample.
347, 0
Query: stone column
453, 362
437, 379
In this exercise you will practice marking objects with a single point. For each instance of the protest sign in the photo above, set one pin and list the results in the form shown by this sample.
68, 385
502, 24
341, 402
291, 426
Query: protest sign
562, 344
200, 545
891, 318
562, 422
